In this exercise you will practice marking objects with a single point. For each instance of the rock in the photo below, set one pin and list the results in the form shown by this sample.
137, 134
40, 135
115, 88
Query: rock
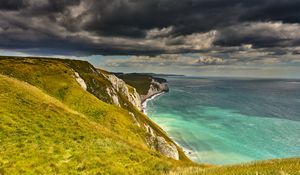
155, 88
80, 81
119, 86
159, 144
168, 149
149, 130
114, 96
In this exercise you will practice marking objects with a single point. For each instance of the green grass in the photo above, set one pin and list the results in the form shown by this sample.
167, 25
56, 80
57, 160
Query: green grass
56, 78
41, 135
49, 125
270, 167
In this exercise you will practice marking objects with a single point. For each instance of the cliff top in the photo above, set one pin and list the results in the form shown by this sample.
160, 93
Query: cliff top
140, 81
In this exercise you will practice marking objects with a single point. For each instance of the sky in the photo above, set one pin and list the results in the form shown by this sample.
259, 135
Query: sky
232, 38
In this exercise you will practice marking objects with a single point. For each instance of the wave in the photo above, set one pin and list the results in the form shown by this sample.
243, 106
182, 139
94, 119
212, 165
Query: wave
144, 104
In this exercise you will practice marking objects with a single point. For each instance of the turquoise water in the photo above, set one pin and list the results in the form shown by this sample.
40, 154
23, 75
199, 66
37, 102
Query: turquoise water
225, 121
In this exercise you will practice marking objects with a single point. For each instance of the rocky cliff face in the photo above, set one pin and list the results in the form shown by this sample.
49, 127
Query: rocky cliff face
153, 139
109, 88
156, 87
120, 87
105, 86
80, 81
160, 144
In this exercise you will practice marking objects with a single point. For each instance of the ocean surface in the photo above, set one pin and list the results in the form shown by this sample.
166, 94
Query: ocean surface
226, 121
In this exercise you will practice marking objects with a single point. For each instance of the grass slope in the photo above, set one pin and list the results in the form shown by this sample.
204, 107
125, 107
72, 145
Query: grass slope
56, 78
57, 127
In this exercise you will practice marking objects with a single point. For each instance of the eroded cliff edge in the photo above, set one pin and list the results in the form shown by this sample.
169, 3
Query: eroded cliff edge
129, 95
157, 86
146, 85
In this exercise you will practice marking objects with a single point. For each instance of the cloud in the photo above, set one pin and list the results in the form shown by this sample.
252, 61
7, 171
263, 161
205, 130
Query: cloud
210, 61
165, 60
131, 27
12, 4
245, 63
260, 34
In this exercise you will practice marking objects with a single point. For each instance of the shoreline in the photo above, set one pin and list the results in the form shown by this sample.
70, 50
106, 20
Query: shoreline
188, 152
144, 103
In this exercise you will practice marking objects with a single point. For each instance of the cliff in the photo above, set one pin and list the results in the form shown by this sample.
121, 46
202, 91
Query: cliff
154, 140
118, 86
109, 88
156, 87
145, 84
111, 108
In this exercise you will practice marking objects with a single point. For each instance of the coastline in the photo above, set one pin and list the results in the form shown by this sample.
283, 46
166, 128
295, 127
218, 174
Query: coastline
144, 103
188, 152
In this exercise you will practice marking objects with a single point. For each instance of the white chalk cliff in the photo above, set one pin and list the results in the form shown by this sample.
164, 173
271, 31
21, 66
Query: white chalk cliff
155, 88
80, 81
120, 87
117, 90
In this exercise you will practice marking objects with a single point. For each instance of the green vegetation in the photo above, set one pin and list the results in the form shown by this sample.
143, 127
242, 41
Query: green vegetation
141, 82
271, 167
50, 125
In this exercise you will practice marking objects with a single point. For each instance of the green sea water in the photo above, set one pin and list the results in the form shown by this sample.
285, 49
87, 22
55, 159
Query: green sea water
226, 121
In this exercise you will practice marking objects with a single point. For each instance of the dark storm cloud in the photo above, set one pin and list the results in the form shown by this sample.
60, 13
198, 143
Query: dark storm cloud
260, 35
12, 4
278, 10
137, 27
133, 18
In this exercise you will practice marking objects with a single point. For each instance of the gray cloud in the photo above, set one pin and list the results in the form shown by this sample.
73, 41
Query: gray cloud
260, 34
166, 60
130, 27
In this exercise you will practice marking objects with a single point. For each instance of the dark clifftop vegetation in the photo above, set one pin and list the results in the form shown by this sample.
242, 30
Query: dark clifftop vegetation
146, 84
141, 82
60, 116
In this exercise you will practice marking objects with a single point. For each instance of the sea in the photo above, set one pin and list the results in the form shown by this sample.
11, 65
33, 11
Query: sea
230, 120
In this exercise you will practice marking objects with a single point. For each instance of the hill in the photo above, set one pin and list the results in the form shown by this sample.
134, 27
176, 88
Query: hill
60, 116
51, 124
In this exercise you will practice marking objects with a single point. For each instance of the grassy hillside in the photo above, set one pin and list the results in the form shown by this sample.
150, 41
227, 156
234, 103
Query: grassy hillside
50, 125
39, 134
56, 78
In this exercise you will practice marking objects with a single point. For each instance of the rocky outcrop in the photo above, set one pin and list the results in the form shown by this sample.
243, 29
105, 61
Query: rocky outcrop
156, 87
80, 81
120, 87
160, 144
113, 95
